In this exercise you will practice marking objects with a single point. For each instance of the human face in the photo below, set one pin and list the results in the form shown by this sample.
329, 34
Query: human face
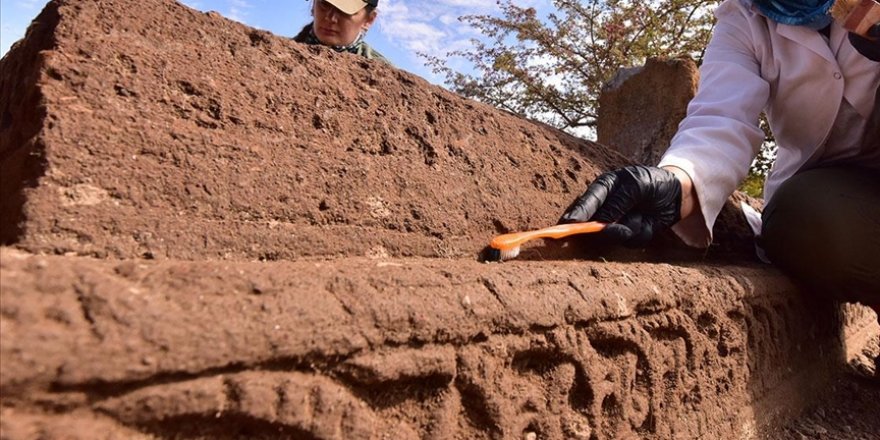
336, 28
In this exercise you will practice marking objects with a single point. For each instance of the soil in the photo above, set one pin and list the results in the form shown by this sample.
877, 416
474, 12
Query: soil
849, 412
849, 408
213, 232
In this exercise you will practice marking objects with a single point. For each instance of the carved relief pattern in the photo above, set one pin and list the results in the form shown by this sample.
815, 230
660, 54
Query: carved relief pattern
604, 380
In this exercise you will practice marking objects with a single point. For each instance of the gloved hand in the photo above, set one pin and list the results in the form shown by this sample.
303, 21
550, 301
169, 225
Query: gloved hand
869, 47
636, 201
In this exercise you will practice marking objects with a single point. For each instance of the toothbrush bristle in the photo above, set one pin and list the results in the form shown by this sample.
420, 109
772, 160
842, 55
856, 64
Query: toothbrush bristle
510, 254
492, 254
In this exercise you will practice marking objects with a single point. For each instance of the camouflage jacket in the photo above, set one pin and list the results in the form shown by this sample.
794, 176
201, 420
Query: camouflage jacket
359, 47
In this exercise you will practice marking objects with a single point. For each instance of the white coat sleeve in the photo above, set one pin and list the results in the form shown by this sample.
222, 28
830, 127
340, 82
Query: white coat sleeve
718, 139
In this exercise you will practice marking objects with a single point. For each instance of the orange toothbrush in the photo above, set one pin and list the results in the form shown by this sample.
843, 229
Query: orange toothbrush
507, 246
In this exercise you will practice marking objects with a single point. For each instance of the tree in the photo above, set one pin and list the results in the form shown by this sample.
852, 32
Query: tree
753, 185
552, 69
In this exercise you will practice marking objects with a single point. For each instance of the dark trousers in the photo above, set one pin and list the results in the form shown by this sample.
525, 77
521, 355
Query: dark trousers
822, 228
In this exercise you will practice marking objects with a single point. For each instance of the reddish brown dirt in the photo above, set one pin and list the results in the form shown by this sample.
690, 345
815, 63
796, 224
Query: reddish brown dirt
848, 412
213, 232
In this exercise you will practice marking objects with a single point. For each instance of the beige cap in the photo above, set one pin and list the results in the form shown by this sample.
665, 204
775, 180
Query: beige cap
350, 7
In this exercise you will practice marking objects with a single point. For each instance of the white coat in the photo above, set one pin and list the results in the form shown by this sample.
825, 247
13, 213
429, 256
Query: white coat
753, 64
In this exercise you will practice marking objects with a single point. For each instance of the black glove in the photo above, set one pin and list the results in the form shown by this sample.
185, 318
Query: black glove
868, 47
636, 200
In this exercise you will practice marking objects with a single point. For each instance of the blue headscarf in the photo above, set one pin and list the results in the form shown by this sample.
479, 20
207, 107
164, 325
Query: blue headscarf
810, 13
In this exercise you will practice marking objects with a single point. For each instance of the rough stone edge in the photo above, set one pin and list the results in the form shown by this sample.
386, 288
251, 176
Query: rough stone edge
489, 305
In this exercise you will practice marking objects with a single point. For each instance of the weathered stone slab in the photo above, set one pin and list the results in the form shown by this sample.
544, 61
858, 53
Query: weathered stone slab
411, 348
641, 107
139, 131
142, 128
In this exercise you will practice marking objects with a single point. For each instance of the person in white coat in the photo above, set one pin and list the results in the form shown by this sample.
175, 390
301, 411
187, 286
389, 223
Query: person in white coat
818, 85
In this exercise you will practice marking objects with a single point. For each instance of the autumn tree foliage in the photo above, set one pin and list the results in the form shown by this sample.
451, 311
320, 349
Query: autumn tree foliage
552, 68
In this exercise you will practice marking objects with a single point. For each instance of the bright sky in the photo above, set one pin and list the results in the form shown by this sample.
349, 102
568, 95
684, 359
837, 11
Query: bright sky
404, 28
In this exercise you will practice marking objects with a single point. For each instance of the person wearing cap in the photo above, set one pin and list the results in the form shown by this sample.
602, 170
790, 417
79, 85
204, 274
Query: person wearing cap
342, 25
817, 81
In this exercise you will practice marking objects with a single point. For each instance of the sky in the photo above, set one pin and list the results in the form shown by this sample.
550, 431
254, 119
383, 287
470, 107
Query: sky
404, 27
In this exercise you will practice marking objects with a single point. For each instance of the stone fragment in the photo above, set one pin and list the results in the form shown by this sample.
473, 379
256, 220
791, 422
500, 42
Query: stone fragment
641, 107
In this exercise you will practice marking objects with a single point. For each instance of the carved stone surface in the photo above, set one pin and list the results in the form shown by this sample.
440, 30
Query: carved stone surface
145, 129
403, 348
216, 233
861, 335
